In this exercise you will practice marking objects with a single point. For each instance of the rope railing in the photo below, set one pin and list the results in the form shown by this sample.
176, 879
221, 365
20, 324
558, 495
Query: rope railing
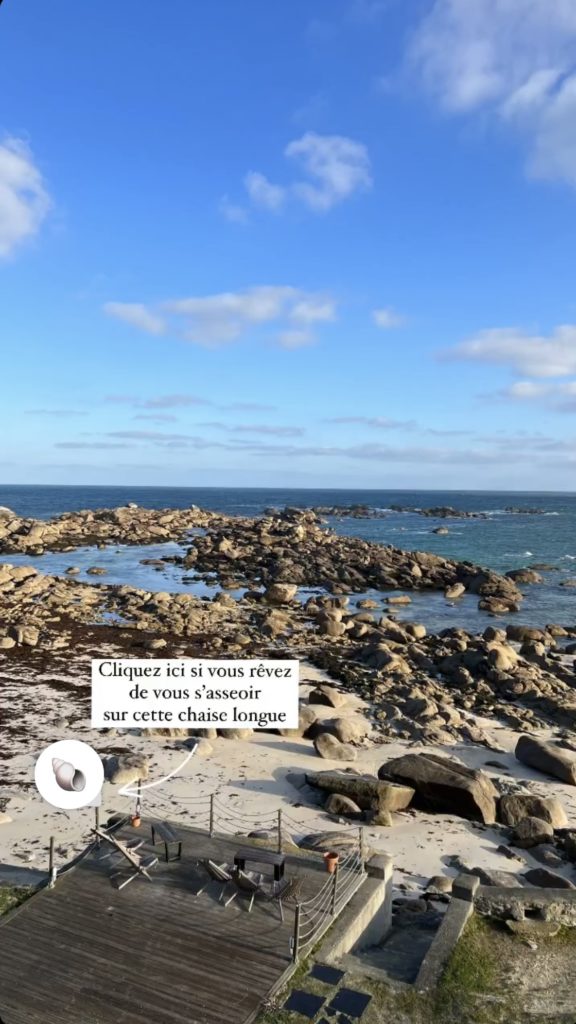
211, 813
314, 916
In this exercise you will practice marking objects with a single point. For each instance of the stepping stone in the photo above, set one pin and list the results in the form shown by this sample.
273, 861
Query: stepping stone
305, 1003
329, 975
350, 1002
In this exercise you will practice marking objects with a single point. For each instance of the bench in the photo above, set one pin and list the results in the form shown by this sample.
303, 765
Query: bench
170, 837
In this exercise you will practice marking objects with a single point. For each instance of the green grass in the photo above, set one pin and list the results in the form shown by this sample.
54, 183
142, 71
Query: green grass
12, 896
468, 989
473, 989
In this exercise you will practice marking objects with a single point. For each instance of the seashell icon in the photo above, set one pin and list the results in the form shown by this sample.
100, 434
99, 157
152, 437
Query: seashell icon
67, 776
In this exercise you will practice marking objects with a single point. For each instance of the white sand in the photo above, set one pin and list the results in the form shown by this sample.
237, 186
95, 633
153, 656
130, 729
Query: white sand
250, 780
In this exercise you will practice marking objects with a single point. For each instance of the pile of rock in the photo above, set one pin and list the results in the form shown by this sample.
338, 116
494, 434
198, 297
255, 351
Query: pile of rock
124, 525
292, 547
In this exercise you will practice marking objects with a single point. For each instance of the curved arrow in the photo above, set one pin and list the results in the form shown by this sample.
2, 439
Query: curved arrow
127, 791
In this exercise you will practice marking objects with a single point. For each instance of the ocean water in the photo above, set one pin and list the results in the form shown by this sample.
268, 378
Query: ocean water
502, 541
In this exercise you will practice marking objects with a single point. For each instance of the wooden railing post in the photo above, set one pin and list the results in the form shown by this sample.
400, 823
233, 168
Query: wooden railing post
334, 890
280, 831
362, 849
296, 936
51, 866
211, 824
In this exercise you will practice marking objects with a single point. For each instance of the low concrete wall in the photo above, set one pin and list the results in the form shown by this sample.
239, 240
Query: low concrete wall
368, 917
460, 909
558, 905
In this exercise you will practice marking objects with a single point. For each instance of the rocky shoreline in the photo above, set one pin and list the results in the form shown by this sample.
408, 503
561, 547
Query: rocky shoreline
417, 685
414, 687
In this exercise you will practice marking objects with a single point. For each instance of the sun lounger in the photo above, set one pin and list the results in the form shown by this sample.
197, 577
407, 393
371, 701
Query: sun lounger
139, 862
219, 873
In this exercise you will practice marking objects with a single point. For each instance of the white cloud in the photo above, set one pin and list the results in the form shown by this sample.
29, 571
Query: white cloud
377, 422
137, 315
295, 338
213, 320
156, 417
172, 402
515, 58
387, 318
24, 200
558, 396
232, 211
336, 167
313, 310
263, 193
530, 355
58, 413
266, 429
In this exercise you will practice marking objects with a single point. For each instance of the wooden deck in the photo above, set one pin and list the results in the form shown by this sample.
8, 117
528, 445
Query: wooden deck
153, 953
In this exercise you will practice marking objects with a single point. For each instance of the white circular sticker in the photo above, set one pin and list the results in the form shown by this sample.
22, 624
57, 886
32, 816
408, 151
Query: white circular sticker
69, 774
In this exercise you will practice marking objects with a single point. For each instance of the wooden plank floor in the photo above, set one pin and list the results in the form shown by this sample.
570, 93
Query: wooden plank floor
152, 953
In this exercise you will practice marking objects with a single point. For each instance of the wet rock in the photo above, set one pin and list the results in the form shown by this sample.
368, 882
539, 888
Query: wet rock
280, 593
524, 576
454, 592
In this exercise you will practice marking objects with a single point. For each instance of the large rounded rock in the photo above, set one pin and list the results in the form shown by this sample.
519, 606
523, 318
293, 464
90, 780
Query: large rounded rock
307, 716
328, 747
514, 807
367, 791
455, 591
327, 626
531, 832
547, 758
339, 804
444, 786
236, 734
327, 695
28, 636
503, 657
280, 593
545, 879
524, 576
126, 769
351, 730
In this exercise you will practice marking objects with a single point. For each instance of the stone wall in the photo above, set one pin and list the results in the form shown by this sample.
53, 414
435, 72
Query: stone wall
519, 904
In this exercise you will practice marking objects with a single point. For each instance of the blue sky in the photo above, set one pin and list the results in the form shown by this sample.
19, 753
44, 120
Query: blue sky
323, 243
